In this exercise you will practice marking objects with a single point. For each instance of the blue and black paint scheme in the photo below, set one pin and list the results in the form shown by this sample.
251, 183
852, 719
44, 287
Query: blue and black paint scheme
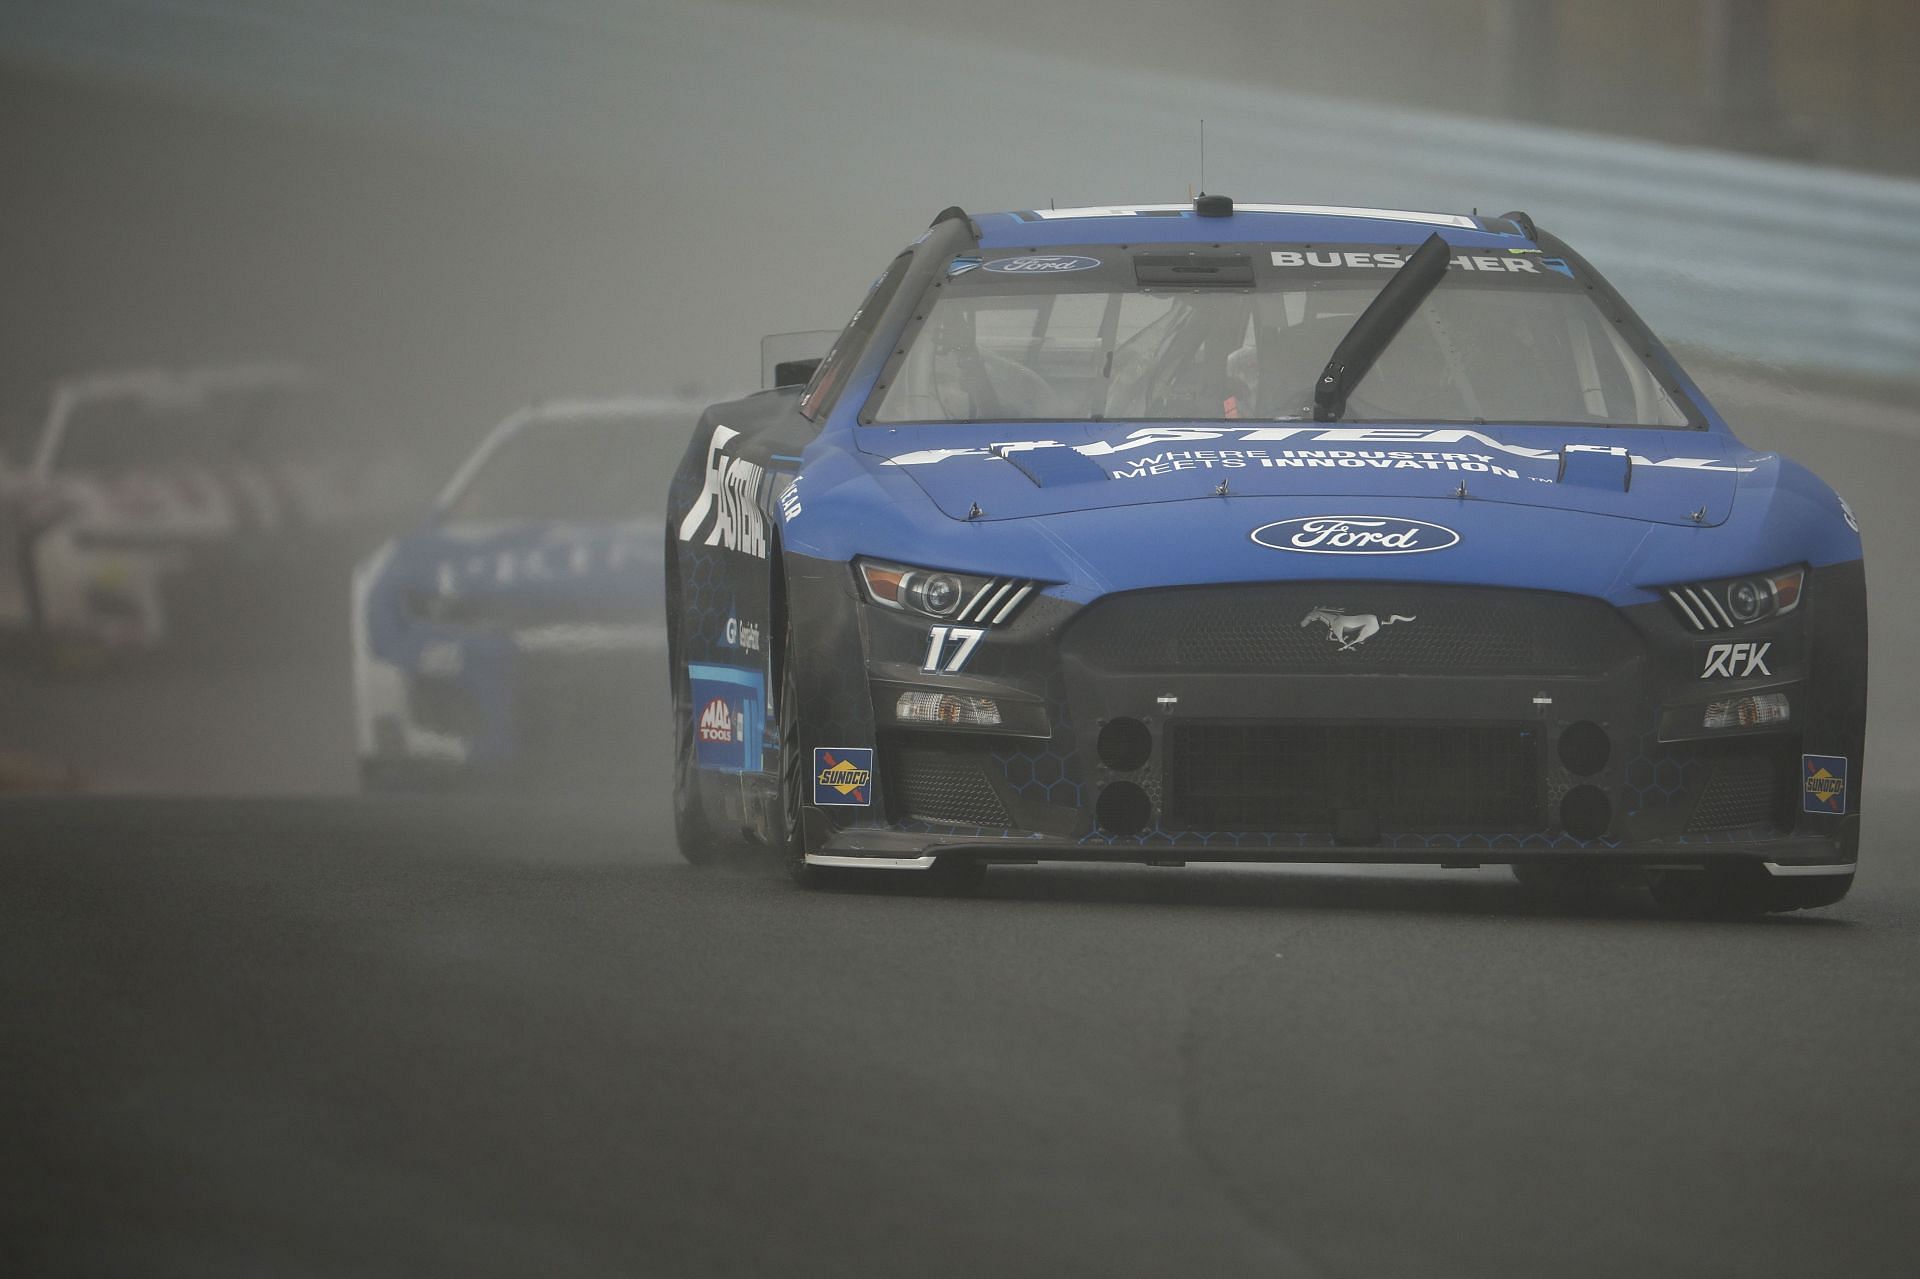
1185, 668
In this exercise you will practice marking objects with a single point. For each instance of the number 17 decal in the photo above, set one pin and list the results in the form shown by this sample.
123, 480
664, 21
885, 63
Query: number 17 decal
949, 647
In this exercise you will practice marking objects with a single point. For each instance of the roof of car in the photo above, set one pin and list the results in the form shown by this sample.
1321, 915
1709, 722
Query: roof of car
1247, 224
566, 412
159, 382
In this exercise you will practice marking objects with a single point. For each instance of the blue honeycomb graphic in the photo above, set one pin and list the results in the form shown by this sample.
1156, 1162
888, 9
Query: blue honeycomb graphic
1662, 773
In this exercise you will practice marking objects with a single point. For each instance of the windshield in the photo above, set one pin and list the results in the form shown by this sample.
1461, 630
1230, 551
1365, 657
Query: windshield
117, 433
1512, 339
575, 471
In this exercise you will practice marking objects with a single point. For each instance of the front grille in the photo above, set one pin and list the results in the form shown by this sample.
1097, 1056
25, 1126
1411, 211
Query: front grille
1749, 787
1403, 778
944, 783
1352, 628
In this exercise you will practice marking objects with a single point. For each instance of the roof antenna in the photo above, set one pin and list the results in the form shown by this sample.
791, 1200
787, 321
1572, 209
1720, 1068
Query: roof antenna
1203, 155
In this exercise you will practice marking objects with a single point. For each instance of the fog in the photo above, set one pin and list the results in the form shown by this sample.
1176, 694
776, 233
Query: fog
271, 1011
448, 211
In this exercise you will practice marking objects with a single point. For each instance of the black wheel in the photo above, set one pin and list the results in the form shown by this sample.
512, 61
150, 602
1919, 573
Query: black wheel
795, 774
698, 842
948, 874
959, 875
1741, 892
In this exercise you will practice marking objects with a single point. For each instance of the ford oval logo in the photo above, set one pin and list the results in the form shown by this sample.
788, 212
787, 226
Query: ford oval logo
1355, 535
1041, 264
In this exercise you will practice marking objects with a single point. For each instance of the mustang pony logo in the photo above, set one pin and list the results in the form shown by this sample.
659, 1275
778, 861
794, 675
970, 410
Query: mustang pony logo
1350, 630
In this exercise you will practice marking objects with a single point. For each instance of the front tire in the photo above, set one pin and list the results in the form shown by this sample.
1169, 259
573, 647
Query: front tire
691, 830
795, 775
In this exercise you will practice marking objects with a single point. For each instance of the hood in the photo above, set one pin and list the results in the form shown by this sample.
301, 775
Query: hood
188, 504
1026, 469
533, 559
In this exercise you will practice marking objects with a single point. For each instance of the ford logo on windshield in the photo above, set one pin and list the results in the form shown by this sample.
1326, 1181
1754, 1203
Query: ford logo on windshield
1355, 535
1042, 264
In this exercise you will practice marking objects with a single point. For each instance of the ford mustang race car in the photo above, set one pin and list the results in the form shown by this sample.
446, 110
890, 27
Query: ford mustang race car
1262, 533
507, 640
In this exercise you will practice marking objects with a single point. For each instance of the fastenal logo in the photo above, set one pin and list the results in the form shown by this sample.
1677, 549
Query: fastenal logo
1355, 535
1351, 630
843, 775
1041, 264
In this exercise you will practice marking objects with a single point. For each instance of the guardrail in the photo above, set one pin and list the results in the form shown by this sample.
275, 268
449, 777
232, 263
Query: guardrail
1763, 260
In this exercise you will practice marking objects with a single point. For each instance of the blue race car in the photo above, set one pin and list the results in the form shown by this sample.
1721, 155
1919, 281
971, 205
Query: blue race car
513, 637
1263, 533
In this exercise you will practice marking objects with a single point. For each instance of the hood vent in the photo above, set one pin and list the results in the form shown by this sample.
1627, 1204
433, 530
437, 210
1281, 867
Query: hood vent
1052, 465
1596, 466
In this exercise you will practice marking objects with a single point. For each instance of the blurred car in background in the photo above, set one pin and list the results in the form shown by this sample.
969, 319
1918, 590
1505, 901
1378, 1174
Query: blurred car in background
160, 508
515, 634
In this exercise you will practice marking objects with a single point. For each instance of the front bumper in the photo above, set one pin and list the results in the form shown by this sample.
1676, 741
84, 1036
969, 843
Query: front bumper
1491, 726
479, 711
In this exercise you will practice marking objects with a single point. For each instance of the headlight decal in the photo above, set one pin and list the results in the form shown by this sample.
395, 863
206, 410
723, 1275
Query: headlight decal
941, 595
1738, 601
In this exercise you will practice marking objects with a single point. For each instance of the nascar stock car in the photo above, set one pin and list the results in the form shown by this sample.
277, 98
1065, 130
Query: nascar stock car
512, 637
1262, 533
149, 502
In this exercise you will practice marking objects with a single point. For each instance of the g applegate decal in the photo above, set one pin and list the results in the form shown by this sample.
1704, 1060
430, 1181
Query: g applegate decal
1355, 535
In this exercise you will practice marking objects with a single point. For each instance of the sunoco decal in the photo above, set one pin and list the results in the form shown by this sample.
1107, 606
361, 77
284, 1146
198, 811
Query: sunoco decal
1040, 264
1355, 535
842, 776
1825, 778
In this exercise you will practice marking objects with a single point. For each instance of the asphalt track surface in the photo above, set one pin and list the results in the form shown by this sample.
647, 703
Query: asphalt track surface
324, 1036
